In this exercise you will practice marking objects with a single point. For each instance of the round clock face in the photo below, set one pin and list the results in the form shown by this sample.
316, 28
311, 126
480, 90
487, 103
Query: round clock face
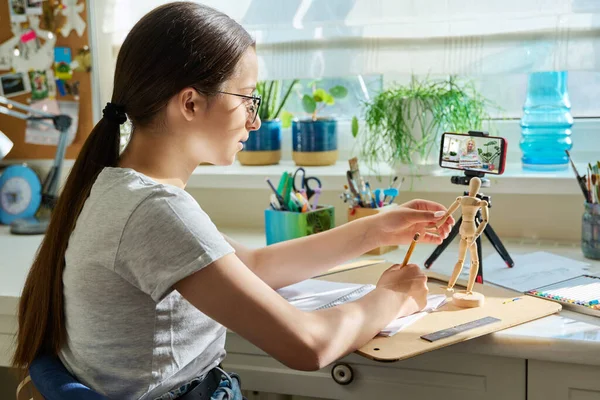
15, 195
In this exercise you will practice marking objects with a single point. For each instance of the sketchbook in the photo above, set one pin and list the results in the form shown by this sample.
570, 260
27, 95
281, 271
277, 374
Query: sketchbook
315, 294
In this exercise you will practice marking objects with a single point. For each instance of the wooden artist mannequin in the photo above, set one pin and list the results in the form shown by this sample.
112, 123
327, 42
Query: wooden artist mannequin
469, 232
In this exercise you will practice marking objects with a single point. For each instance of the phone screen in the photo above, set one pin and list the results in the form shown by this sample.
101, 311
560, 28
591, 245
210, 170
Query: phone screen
473, 153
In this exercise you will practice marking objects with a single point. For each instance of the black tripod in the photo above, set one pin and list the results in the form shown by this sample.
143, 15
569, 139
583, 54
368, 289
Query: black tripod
488, 230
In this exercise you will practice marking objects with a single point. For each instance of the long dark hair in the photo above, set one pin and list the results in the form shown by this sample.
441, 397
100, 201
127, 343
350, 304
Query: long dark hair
175, 46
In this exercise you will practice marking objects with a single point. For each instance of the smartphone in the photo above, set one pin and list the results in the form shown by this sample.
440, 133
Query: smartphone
469, 152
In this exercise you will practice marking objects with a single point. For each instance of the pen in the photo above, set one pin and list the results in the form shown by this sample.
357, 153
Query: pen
580, 179
410, 249
277, 195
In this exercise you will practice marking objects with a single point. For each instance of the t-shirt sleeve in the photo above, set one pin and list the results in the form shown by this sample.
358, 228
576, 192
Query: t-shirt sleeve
166, 238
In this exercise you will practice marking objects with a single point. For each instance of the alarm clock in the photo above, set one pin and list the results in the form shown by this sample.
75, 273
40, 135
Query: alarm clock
20, 193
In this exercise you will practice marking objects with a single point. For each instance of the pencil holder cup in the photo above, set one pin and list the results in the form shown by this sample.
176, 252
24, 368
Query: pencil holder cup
314, 142
590, 231
285, 225
360, 212
263, 146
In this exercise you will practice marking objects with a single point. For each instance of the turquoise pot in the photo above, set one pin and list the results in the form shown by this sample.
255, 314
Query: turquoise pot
263, 146
314, 142
267, 138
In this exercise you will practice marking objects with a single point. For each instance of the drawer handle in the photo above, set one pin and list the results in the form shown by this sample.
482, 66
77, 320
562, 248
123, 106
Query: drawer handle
342, 374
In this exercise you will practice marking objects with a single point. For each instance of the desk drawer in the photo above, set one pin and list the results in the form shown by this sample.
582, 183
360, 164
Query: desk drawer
439, 374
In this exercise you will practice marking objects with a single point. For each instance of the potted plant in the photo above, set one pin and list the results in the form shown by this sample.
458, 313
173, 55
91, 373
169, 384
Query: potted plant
489, 157
402, 125
263, 146
314, 139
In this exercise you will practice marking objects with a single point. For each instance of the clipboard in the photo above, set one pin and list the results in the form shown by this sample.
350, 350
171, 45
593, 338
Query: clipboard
499, 304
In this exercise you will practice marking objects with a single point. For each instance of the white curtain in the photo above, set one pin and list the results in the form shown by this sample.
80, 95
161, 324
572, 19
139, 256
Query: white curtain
327, 38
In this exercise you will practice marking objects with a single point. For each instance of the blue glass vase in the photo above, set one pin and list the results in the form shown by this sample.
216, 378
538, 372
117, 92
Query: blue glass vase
546, 123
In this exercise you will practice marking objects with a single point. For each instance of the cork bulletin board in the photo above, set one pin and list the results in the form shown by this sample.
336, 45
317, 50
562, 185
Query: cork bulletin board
58, 17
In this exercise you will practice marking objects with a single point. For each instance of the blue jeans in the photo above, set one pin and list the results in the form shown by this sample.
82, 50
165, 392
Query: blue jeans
229, 388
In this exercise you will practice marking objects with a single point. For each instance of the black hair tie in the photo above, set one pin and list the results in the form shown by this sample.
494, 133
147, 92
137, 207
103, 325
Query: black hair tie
115, 113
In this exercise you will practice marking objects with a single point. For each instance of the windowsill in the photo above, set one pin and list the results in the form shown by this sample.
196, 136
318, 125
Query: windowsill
514, 180
435, 179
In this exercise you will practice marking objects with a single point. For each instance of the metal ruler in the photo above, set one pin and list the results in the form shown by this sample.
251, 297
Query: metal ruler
444, 333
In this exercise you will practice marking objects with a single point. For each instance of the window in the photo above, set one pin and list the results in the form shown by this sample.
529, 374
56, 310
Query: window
494, 43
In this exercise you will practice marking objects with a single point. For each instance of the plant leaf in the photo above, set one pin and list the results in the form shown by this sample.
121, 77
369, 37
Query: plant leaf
338, 91
328, 99
320, 95
309, 104
286, 119
354, 126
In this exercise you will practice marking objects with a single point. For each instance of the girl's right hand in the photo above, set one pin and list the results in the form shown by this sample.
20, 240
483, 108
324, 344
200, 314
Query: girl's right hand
409, 284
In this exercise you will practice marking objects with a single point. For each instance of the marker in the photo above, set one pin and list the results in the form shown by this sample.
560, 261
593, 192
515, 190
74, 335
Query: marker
410, 250
511, 300
316, 201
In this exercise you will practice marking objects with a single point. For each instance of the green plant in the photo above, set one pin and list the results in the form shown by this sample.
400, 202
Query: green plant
490, 156
310, 102
271, 108
406, 120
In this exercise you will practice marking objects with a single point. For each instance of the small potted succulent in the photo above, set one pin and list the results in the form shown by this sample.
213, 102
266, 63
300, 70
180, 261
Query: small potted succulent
314, 139
263, 146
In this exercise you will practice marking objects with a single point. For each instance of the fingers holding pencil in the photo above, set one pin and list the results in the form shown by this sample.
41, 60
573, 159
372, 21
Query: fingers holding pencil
410, 249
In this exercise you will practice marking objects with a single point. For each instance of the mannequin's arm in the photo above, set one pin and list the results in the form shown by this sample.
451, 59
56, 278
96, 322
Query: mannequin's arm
451, 210
484, 219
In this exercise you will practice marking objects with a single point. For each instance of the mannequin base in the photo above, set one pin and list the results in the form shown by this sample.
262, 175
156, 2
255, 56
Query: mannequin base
466, 300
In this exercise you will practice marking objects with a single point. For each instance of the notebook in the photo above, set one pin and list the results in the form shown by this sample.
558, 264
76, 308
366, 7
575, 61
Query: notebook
315, 294
581, 294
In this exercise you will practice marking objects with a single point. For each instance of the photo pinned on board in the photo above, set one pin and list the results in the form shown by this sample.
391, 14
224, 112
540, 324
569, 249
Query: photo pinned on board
17, 10
39, 85
62, 63
14, 84
34, 7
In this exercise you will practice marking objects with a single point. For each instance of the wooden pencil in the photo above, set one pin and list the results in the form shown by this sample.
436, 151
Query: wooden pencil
410, 249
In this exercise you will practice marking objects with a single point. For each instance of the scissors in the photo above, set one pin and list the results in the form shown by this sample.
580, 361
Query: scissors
306, 183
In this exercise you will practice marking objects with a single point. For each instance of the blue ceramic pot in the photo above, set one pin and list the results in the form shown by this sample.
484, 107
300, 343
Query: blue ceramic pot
314, 136
267, 138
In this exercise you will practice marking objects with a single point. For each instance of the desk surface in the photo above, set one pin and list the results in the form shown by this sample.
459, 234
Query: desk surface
572, 337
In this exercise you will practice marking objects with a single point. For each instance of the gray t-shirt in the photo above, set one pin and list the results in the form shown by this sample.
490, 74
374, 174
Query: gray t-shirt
129, 334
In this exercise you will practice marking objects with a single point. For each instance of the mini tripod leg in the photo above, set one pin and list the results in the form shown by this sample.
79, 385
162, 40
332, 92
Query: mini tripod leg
497, 243
440, 248
479, 278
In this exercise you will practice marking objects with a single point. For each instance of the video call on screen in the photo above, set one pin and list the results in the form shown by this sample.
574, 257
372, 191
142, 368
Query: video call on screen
474, 153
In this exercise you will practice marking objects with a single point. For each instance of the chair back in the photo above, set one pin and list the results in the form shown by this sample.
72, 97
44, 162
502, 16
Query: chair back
27, 391
54, 382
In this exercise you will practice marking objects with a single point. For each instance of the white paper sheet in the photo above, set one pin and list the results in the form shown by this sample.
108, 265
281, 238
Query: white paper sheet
313, 294
40, 134
434, 301
531, 270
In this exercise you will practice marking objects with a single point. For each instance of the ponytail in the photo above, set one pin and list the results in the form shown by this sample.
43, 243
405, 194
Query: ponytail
41, 319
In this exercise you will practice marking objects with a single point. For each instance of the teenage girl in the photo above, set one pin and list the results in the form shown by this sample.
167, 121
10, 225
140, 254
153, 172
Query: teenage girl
133, 284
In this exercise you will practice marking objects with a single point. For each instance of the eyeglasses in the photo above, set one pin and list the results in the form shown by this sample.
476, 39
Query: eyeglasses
253, 108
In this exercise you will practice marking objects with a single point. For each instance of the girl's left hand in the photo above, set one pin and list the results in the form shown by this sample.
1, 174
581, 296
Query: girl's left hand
399, 224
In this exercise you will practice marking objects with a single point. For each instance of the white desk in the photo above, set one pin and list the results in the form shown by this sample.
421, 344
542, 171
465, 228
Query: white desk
556, 357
